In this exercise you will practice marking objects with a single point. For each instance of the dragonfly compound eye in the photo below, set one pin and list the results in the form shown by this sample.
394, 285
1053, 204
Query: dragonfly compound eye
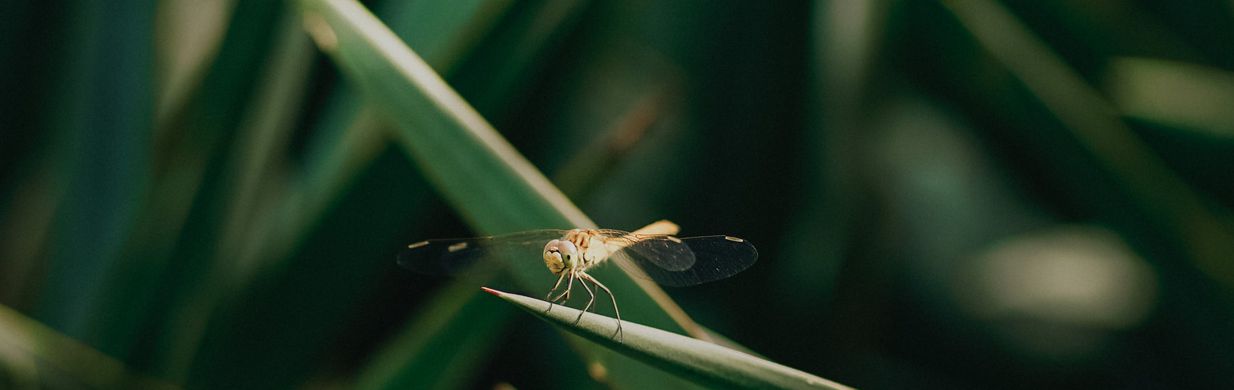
559, 255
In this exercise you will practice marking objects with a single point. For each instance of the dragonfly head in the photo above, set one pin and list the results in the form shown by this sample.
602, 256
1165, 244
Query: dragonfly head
560, 255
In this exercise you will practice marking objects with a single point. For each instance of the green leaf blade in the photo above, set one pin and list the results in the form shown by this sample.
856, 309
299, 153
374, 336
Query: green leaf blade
705, 363
473, 167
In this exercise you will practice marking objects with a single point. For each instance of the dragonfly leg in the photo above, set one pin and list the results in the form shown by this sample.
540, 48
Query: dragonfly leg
549, 297
555, 286
611, 297
583, 281
565, 296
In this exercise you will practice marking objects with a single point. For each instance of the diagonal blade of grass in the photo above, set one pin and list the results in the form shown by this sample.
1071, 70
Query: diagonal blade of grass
29, 348
445, 31
486, 180
464, 319
421, 103
1189, 96
411, 359
708, 364
342, 149
190, 35
454, 145
351, 133
457, 316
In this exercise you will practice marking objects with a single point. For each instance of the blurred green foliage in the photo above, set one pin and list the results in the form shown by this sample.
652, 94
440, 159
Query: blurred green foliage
955, 194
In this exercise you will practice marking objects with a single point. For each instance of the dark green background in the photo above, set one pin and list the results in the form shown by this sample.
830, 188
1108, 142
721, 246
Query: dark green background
956, 194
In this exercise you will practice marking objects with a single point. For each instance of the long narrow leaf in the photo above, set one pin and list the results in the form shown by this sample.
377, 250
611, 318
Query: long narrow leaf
706, 363
50, 359
476, 170
344, 150
1185, 95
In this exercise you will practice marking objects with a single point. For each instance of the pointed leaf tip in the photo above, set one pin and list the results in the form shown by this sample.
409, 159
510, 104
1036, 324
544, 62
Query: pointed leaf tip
707, 364
491, 291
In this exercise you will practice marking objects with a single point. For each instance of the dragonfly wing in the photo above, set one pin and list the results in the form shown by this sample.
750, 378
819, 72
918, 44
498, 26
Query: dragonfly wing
452, 256
664, 252
443, 257
718, 257
711, 258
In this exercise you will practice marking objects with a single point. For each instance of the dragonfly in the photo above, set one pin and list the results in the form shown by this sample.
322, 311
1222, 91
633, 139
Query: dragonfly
652, 252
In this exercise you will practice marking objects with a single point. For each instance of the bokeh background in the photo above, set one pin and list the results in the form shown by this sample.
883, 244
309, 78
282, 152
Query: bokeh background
944, 194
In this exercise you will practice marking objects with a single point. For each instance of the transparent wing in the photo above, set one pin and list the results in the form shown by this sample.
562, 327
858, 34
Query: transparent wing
451, 256
679, 262
662, 251
667, 260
